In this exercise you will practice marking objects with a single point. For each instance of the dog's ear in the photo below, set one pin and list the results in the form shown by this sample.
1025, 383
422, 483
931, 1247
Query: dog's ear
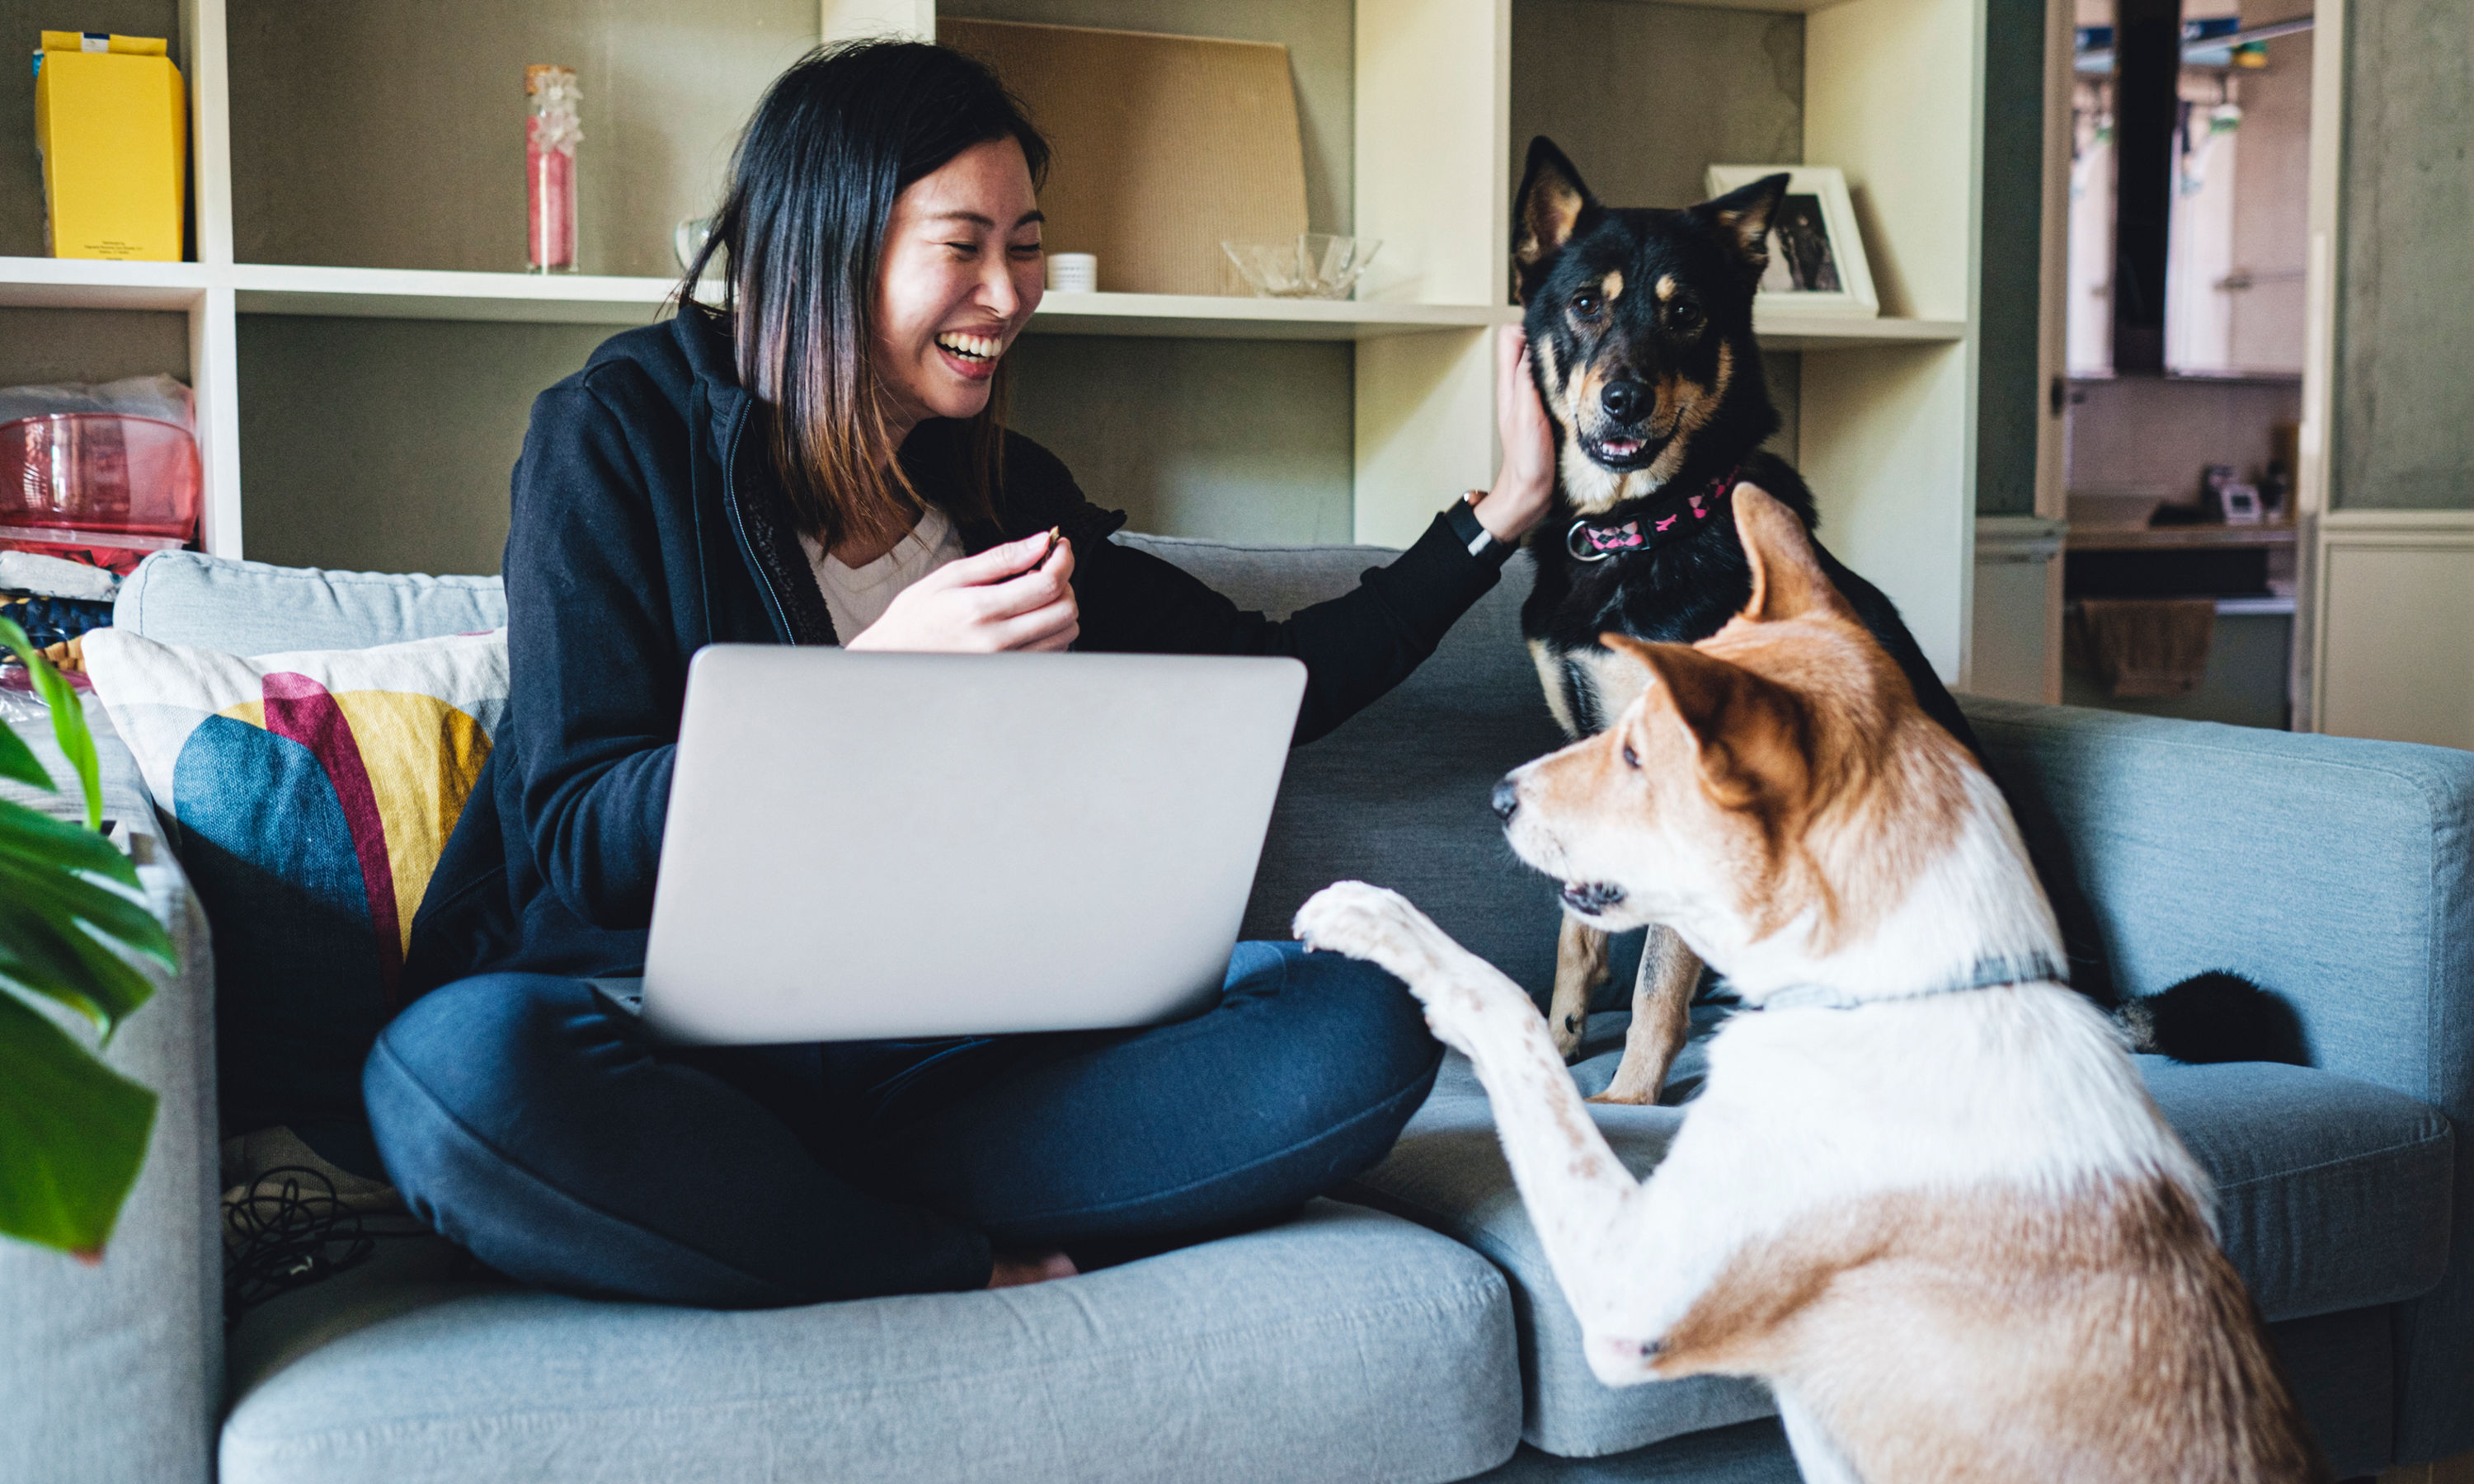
1748, 733
1787, 578
1742, 218
1549, 205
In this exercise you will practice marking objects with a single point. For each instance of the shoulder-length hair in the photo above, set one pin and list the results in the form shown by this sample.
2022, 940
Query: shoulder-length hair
812, 189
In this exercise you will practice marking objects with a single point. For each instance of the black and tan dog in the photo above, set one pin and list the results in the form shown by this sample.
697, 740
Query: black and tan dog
1640, 337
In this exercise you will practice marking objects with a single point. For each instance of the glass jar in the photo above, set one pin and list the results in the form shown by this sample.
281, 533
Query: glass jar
550, 135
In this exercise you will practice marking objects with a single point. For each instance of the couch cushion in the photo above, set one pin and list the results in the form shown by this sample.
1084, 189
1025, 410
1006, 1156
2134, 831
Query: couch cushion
249, 607
1398, 794
1344, 1344
2332, 1195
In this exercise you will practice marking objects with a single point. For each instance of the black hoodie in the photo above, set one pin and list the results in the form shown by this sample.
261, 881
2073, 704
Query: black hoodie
647, 524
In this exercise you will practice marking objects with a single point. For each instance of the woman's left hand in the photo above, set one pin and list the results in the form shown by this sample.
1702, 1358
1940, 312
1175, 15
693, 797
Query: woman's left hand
1525, 484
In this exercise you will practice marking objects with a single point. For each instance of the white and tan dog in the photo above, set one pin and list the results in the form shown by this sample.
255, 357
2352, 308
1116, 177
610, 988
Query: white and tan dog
1923, 1193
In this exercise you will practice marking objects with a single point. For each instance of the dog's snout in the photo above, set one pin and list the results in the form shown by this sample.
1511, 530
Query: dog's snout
1624, 399
1506, 799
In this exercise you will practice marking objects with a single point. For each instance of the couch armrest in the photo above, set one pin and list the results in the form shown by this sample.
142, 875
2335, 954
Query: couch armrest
116, 1372
2335, 871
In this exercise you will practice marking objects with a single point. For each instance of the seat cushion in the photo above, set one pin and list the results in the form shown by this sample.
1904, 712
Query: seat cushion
249, 608
1344, 1344
2332, 1195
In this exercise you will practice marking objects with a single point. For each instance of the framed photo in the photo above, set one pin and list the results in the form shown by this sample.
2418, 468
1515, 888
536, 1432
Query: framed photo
1816, 253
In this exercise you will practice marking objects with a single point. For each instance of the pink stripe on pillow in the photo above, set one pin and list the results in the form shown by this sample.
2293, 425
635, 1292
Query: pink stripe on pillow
300, 708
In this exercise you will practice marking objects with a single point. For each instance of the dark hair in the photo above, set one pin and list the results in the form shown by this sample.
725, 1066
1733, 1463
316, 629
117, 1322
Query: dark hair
811, 191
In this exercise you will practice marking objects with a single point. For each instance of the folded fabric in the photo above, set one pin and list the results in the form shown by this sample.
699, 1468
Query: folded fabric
312, 794
2148, 646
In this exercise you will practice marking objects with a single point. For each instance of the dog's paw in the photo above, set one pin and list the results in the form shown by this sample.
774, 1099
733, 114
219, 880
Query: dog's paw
1625, 1099
1374, 924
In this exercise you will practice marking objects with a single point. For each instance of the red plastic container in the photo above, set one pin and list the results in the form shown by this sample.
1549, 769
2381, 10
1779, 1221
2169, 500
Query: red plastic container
97, 487
99, 473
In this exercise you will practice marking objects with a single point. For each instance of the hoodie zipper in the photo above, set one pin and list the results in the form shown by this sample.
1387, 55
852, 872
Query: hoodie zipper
738, 524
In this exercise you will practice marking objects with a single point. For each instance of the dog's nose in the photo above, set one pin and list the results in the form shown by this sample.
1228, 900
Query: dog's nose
1507, 800
1623, 400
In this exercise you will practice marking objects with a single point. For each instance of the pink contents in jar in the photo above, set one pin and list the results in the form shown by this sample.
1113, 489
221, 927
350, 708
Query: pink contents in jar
550, 135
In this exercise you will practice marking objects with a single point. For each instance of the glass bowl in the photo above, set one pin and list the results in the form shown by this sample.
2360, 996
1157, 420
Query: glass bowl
1310, 265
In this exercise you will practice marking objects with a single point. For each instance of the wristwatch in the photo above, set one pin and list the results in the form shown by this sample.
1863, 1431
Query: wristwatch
1472, 532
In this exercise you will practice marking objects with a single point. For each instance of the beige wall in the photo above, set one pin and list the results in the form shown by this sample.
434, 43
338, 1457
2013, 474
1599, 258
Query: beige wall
386, 445
2152, 435
2404, 435
1232, 440
90, 345
325, 98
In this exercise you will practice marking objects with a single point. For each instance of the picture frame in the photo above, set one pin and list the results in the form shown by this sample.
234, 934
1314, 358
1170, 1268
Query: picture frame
1814, 241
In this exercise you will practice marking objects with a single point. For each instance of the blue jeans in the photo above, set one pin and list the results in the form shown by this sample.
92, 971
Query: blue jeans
543, 1133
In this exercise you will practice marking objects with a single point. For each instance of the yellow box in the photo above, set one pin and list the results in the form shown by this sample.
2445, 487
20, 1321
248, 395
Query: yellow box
113, 126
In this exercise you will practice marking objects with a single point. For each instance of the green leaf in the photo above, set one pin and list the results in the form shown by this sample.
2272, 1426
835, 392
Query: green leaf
18, 763
72, 1135
68, 719
57, 920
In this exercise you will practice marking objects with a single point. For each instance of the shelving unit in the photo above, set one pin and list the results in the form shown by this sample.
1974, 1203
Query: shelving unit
1883, 409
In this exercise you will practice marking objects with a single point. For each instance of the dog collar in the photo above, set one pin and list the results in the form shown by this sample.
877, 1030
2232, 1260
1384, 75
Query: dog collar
1592, 541
1991, 973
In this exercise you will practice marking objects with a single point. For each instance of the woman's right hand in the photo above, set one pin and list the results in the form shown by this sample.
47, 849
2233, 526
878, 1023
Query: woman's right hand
985, 604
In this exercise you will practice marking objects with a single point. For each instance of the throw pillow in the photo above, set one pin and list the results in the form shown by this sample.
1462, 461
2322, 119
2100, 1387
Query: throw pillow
311, 794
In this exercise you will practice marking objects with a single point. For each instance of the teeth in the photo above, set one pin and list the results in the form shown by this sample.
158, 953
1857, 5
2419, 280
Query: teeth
972, 347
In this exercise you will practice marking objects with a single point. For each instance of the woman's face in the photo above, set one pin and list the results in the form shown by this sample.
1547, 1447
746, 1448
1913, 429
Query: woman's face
961, 276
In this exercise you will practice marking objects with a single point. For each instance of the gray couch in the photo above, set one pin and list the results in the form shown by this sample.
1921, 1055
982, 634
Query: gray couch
1406, 1329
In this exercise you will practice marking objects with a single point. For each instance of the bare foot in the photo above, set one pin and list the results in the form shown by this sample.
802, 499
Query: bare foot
1013, 1270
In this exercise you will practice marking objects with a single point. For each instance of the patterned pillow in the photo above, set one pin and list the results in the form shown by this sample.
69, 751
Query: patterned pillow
312, 794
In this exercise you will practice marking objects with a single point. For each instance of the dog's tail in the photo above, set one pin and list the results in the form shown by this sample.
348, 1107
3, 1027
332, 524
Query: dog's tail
2215, 1016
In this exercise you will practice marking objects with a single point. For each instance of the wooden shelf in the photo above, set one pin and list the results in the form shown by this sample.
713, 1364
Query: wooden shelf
1835, 332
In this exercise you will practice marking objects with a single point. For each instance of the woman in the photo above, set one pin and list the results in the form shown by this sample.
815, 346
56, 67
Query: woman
819, 464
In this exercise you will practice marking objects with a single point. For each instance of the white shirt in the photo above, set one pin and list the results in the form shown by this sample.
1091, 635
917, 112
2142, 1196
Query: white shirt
858, 596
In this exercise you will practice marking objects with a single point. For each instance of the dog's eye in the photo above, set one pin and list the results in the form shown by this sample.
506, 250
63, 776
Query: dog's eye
1683, 317
1585, 305
1631, 760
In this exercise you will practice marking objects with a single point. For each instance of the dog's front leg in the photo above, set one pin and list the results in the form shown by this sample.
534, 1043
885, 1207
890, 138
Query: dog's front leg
1578, 1191
1580, 967
1662, 1016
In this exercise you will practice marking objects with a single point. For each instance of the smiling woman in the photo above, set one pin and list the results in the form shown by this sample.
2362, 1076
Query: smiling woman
822, 462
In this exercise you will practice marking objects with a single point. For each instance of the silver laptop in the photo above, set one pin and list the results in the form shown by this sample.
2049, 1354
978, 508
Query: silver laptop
866, 846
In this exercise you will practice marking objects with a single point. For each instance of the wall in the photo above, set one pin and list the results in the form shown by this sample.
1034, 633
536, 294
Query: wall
1232, 440
324, 98
90, 345
386, 445
2148, 435
2009, 399
2404, 410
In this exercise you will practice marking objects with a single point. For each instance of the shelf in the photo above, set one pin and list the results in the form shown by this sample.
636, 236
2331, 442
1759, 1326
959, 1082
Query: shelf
2200, 536
1202, 316
93, 283
415, 294
585, 299
1834, 333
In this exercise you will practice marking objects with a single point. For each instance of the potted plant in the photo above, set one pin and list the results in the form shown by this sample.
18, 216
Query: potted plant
72, 1131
